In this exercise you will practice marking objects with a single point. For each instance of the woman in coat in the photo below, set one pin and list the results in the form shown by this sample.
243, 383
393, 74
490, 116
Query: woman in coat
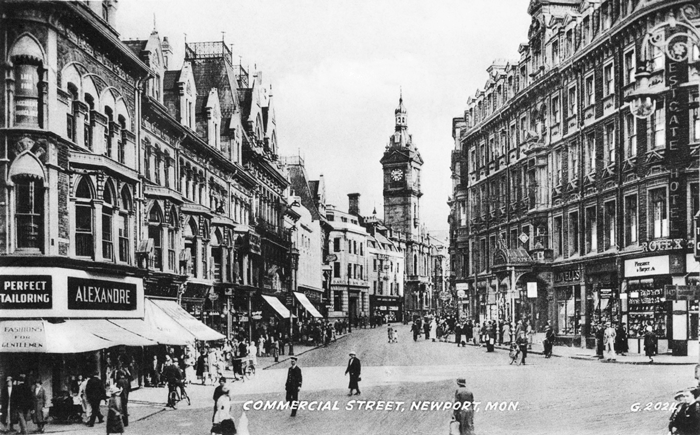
650, 344
621, 345
433, 329
506, 333
223, 421
39, 402
201, 366
115, 422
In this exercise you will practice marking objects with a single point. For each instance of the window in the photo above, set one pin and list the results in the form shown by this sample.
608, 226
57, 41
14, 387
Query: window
123, 226
657, 57
513, 137
591, 230
573, 161
29, 213
590, 90
572, 101
556, 157
555, 52
556, 117
172, 232
374, 265
609, 78
27, 96
349, 271
155, 219
586, 30
558, 236
631, 220
610, 144
573, 233
89, 121
336, 244
336, 270
105, 10
109, 132
606, 18
694, 203
482, 255
362, 251
609, 225
630, 139
108, 206
658, 215
590, 153
630, 66
569, 42
83, 220
694, 119
121, 146
658, 127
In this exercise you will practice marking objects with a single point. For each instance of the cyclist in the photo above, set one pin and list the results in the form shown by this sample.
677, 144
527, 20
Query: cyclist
173, 378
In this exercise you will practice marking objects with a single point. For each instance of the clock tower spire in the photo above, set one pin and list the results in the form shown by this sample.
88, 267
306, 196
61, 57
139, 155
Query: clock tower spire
401, 165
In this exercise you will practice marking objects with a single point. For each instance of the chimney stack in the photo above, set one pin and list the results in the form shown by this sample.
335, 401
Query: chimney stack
354, 203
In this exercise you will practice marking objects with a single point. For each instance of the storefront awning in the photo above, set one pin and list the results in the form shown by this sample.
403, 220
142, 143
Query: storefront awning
157, 326
277, 306
301, 297
40, 336
200, 331
116, 334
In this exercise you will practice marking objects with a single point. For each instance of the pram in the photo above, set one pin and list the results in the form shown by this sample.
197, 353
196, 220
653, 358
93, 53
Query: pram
514, 353
64, 409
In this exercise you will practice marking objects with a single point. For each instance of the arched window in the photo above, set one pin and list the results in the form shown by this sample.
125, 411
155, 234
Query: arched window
28, 59
84, 227
70, 116
205, 252
217, 252
155, 233
109, 131
121, 146
28, 177
108, 208
89, 121
191, 233
123, 225
172, 231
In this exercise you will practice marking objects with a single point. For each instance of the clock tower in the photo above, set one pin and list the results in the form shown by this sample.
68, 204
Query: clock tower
401, 165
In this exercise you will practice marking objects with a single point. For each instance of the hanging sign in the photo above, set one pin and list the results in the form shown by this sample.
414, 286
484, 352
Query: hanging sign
531, 289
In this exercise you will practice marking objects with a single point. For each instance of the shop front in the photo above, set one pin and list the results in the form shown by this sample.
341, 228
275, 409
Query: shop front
645, 280
388, 306
568, 288
603, 300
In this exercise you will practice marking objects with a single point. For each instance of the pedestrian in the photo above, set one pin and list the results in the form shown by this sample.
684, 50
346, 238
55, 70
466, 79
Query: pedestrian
426, 329
649, 343
548, 340
599, 340
125, 386
522, 343
274, 346
23, 402
530, 334
458, 334
293, 385
685, 419
39, 402
490, 336
609, 341
115, 421
396, 335
155, 372
390, 333
222, 420
415, 328
354, 369
6, 405
95, 393
499, 330
201, 366
464, 414
433, 329
621, 345
506, 333
218, 391
87, 409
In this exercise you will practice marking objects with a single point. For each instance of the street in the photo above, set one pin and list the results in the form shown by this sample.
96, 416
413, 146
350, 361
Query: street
557, 396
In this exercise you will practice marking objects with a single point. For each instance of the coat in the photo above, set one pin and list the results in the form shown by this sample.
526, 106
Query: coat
293, 379
21, 400
465, 417
649, 344
39, 401
115, 422
94, 390
354, 369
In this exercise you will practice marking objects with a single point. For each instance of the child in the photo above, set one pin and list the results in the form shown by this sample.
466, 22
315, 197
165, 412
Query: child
396, 335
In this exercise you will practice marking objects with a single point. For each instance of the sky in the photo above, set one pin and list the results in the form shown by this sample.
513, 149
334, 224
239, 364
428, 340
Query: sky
337, 68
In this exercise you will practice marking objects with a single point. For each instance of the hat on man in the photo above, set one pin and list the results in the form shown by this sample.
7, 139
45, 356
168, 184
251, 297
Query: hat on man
114, 390
461, 382
294, 358
352, 353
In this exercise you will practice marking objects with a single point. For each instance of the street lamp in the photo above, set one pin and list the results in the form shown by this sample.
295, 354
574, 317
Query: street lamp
678, 39
294, 262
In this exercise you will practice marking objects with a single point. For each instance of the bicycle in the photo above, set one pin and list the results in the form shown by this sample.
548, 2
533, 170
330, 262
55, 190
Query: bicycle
249, 369
514, 355
174, 396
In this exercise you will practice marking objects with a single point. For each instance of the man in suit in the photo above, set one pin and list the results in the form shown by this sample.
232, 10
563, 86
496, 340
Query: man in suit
39, 402
22, 402
354, 369
125, 386
293, 384
6, 404
95, 393
465, 417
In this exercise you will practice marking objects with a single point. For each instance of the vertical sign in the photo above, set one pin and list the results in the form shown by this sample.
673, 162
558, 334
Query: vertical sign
677, 140
27, 95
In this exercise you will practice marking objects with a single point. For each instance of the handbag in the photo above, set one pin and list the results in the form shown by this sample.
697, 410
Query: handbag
454, 427
359, 378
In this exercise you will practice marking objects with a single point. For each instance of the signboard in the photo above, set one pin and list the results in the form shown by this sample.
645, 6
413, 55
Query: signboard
330, 258
682, 292
25, 338
93, 294
52, 292
461, 294
568, 275
531, 289
647, 266
523, 238
22, 292
663, 245
254, 243
27, 96
606, 293
462, 286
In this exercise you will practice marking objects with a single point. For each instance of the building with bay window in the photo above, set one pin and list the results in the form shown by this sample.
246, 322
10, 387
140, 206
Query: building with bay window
567, 208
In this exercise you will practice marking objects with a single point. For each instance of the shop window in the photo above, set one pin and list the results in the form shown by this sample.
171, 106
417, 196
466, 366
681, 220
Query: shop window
631, 220
84, 245
647, 305
155, 220
29, 213
658, 216
108, 207
568, 309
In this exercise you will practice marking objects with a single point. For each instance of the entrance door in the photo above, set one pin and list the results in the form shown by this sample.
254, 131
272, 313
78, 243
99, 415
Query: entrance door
352, 312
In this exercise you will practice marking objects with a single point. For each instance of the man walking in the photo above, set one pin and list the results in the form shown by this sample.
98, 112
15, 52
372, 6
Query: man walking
465, 414
354, 369
609, 337
293, 385
95, 393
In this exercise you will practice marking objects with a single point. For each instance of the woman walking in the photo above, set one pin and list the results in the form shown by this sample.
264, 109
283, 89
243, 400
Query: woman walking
650, 344
223, 422
39, 402
115, 422
506, 333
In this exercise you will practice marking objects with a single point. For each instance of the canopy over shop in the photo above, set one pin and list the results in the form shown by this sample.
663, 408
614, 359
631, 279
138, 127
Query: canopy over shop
306, 303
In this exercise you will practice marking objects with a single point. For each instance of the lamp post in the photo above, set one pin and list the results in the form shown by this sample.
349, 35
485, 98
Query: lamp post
677, 38
294, 262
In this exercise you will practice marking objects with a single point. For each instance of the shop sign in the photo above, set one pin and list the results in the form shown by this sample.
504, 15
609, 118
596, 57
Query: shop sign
568, 276
663, 245
677, 139
682, 292
254, 243
531, 289
462, 286
646, 299
606, 293
22, 292
461, 294
25, 338
647, 266
94, 294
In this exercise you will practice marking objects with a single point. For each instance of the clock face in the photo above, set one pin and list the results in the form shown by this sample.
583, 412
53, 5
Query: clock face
397, 175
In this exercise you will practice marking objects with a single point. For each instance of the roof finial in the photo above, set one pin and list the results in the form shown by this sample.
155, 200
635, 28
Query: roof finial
400, 93
223, 36
154, 21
